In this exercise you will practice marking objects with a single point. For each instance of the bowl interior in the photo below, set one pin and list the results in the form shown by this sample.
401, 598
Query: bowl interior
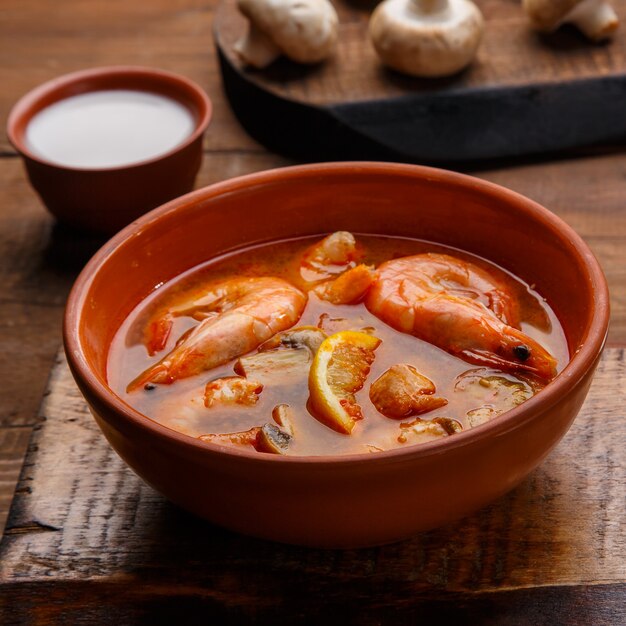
384, 199
154, 81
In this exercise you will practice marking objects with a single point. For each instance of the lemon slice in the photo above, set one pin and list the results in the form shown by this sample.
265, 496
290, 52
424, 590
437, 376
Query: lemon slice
339, 370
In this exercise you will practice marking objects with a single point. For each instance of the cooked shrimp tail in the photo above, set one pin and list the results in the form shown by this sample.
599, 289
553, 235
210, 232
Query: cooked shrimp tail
240, 314
157, 333
332, 255
348, 288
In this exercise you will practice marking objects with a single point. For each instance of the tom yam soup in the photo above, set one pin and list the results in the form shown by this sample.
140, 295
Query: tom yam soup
336, 345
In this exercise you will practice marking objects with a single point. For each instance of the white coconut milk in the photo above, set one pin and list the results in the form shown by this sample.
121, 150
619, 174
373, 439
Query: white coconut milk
105, 129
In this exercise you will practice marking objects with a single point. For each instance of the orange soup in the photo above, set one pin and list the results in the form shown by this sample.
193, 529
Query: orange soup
333, 346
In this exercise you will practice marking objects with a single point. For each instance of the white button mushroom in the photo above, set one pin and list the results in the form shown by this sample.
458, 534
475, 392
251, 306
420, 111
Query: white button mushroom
426, 37
303, 30
595, 18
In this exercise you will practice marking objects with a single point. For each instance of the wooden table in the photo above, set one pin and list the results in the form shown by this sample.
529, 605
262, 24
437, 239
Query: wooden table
538, 556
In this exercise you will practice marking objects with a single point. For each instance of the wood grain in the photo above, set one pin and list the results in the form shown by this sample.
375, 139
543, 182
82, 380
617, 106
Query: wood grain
39, 261
359, 601
589, 195
80, 513
152, 563
13, 446
41, 40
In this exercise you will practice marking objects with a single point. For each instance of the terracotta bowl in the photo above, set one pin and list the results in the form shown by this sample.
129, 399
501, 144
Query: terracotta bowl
107, 199
362, 499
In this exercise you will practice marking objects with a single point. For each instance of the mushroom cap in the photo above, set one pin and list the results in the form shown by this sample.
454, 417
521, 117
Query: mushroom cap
304, 30
595, 18
426, 38
547, 15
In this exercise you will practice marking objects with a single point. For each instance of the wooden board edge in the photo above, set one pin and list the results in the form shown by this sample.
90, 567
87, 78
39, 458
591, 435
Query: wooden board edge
453, 127
18, 515
106, 601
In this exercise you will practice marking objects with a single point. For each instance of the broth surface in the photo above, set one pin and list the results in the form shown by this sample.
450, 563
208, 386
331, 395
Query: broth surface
180, 406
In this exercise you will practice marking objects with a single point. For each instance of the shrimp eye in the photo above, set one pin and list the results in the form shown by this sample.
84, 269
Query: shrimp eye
522, 352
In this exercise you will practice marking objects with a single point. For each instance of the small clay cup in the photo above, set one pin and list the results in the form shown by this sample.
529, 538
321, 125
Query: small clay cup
361, 499
107, 199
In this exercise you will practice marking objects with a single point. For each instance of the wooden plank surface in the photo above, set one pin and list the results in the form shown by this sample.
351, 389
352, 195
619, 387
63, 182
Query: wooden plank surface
81, 516
39, 260
40, 40
38, 263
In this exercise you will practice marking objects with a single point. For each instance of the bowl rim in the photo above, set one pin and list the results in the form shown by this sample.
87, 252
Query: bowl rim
578, 366
22, 111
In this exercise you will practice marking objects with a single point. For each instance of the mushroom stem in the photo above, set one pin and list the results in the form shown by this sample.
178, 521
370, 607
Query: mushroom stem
595, 18
431, 6
256, 49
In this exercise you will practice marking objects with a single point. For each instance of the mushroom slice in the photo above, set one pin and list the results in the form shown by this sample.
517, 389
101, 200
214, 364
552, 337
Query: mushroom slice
266, 438
426, 37
232, 390
283, 357
420, 430
331, 256
348, 288
481, 415
310, 337
273, 440
332, 325
303, 30
241, 438
595, 18
450, 425
275, 366
402, 391
283, 416
493, 392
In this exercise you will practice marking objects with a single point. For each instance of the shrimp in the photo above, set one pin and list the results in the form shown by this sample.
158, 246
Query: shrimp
232, 390
332, 255
442, 273
402, 391
348, 288
412, 302
239, 315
